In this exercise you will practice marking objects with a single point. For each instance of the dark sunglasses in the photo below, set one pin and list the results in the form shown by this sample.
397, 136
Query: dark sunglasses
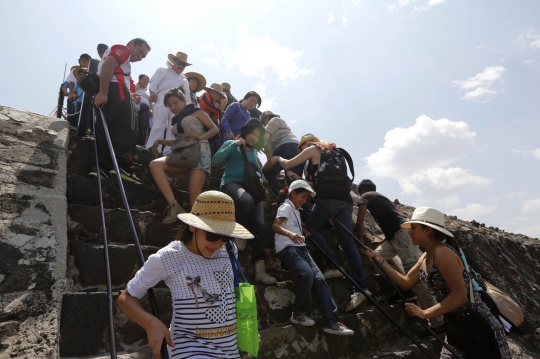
213, 237
178, 62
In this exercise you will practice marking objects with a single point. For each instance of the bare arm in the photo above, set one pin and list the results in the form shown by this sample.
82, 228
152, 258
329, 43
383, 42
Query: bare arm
107, 70
405, 282
362, 208
156, 331
312, 153
276, 227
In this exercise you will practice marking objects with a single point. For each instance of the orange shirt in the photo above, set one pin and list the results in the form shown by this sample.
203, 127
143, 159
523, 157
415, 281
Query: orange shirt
210, 107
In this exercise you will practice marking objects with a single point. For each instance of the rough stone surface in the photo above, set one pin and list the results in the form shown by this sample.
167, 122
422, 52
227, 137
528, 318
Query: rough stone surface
33, 231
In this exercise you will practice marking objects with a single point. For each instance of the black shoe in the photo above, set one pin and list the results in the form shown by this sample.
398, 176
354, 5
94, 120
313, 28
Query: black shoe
93, 173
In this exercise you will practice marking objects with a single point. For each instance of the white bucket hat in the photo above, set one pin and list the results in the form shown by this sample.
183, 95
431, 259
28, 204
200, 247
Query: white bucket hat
302, 184
429, 217
213, 211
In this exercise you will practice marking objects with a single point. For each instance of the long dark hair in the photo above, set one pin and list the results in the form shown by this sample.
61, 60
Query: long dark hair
177, 92
443, 238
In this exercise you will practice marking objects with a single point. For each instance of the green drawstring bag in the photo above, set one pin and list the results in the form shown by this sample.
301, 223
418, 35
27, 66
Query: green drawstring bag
247, 327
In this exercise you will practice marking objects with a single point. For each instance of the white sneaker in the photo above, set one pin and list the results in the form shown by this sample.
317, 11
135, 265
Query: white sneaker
261, 276
356, 300
240, 244
338, 329
302, 319
332, 273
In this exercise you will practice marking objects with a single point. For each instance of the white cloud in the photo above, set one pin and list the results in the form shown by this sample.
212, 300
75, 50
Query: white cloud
483, 85
448, 202
526, 62
536, 153
267, 103
254, 56
263, 5
439, 180
417, 156
529, 39
473, 211
514, 222
209, 47
331, 18
400, 4
531, 206
426, 144
212, 61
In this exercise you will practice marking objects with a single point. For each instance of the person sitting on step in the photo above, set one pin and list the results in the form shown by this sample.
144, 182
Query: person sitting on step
192, 121
291, 249
249, 213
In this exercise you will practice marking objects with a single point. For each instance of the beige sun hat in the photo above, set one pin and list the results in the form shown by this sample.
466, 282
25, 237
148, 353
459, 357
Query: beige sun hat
226, 86
213, 211
430, 217
305, 138
199, 77
78, 70
179, 56
216, 87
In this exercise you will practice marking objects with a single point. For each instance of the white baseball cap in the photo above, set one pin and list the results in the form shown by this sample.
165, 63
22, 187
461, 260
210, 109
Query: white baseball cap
302, 184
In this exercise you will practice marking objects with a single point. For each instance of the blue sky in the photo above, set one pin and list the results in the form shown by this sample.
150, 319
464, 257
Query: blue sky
437, 101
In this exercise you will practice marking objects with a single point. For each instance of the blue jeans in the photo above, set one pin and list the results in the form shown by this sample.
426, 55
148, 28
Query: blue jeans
287, 151
342, 211
308, 277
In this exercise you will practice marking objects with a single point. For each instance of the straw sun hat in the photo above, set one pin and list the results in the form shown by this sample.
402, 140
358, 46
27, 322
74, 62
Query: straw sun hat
78, 70
216, 87
304, 139
429, 217
179, 56
213, 211
199, 77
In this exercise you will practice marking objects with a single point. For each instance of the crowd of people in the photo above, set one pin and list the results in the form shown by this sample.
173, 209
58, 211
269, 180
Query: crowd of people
168, 113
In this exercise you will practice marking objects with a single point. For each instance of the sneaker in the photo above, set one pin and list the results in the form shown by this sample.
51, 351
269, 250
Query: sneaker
171, 212
338, 329
356, 300
241, 244
93, 173
126, 175
302, 319
332, 273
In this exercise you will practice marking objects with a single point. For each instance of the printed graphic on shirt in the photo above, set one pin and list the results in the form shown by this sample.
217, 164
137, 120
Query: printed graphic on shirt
194, 284
122, 72
221, 313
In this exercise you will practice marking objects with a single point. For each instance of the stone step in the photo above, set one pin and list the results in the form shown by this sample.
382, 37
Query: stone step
84, 315
408, 351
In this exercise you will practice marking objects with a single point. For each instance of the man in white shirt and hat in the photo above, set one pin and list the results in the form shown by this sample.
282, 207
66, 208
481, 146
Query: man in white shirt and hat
163, 80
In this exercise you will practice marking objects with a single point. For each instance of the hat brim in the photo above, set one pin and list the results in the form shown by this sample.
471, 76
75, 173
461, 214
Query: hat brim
434, 226
221, 94
171, 58
199, 77
77, 71
304, 141
226, 228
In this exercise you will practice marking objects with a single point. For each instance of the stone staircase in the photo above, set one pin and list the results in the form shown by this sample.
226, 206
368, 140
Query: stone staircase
52, 282
84, 306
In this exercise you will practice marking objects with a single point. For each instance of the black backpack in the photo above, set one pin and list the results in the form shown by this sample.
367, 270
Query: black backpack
331, 179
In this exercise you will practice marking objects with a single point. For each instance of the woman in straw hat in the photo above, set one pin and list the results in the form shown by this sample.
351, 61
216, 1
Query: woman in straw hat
212, 102
195, 123
248, 212
197, 269
196, 83
471, 328
163, 80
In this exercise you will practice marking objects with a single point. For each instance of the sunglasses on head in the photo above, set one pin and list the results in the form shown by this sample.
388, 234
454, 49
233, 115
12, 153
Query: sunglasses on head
213, 237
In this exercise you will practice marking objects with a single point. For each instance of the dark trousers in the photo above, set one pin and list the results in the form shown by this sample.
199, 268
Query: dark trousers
72, 119
249, 215
144, 111
121, 117
342, 211
287, 151
308, 278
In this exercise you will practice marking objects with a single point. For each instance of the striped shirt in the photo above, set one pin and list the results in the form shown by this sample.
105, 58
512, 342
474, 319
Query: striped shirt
204, 314
278, 133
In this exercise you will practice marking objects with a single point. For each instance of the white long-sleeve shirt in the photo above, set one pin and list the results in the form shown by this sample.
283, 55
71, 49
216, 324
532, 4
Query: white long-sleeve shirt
165, 79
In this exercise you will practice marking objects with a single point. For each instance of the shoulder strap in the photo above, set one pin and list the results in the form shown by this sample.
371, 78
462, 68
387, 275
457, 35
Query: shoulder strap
244, 156
211, 105
234, 264
348, 159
